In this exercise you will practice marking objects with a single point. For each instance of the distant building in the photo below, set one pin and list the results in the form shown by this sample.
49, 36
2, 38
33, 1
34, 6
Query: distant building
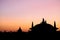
19, 30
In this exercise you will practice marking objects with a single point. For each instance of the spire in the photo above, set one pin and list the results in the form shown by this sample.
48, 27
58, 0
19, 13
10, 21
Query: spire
43, 19
55, 25
32, 24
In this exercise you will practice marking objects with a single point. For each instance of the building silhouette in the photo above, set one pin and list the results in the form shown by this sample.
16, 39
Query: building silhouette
19, 30
43, 27
34, 33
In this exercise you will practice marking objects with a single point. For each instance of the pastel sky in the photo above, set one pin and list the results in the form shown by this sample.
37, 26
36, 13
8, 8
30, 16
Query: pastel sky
21, 13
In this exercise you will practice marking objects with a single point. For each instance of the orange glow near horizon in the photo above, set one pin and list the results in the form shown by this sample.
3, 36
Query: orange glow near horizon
25, 24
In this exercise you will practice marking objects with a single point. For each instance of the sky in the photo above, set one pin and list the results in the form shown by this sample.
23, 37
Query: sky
21, 13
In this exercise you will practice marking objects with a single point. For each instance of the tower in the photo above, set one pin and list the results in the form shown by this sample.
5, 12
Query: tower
43, 20
31, 27
55, 26
32, 24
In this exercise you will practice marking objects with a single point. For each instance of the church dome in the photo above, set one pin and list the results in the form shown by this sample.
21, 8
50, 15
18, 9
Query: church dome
43, 27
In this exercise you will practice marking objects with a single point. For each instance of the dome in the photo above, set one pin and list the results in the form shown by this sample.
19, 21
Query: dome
43, 27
